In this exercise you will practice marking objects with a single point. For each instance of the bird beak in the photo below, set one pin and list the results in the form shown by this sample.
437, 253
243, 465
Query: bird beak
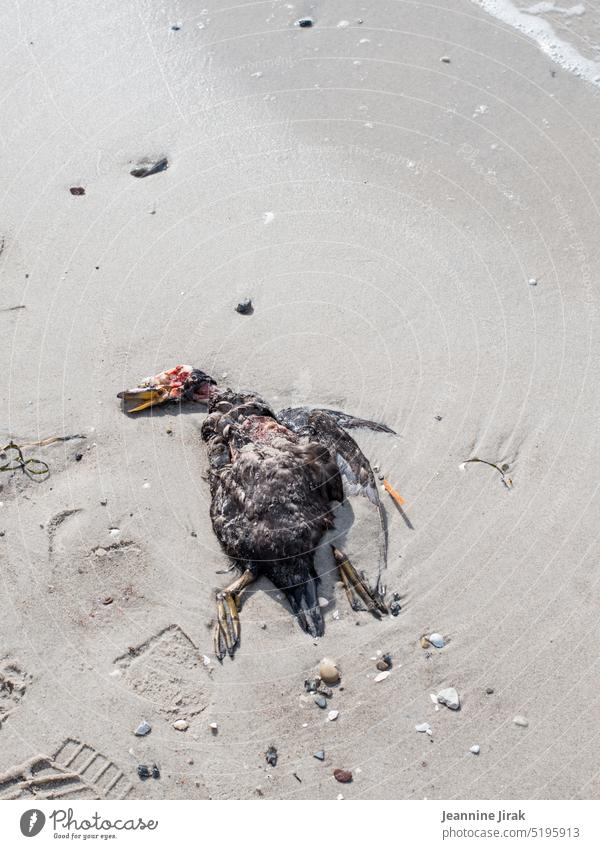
150, 396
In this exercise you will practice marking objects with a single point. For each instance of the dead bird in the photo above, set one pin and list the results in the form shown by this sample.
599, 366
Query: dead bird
273, 478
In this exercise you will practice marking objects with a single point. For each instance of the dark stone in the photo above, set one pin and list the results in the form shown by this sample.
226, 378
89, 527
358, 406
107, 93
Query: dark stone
245, 307
271, 756
304, 22
146, 169
77, 190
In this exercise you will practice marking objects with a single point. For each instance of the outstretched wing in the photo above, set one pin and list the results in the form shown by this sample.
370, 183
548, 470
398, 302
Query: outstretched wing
324, 426
297, 417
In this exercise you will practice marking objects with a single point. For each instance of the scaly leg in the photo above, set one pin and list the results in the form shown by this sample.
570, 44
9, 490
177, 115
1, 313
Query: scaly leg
356, 588
226, 635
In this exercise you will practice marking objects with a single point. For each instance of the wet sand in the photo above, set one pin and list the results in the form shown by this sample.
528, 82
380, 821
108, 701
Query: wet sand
419, 239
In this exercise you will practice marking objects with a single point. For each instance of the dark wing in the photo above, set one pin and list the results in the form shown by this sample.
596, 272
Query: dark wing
297, 417
356, 471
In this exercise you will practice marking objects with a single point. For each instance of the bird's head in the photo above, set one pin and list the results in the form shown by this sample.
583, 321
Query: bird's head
182, 383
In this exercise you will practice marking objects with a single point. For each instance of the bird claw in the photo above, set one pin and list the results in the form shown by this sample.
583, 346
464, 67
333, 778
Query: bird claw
357, 589
226, 635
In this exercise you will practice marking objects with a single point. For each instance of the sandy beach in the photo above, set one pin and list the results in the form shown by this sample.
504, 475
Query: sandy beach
409, 195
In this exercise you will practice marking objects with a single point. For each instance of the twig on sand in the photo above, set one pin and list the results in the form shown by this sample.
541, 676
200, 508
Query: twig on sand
500, 469
41, 443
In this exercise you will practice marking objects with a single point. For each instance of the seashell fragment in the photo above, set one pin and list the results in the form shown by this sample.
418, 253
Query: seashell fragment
449, 697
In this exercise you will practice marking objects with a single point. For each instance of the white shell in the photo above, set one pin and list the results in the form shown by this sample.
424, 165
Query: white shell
332, 715
521, 720
381, 676
475, 749
437, 640
181, 724
423, 728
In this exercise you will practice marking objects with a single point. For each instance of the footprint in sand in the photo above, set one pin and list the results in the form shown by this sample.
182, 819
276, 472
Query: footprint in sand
76, 770
167, 670
13, 686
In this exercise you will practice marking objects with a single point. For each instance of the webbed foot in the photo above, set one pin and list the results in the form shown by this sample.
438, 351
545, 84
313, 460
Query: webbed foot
226, 636
357, 589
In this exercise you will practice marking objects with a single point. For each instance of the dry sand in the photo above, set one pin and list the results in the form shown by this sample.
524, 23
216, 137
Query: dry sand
385, 210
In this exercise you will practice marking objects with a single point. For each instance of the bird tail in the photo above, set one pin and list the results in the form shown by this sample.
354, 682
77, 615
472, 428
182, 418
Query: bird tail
296, 577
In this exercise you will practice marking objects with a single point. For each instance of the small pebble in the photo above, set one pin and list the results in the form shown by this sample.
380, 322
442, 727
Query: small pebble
321, 701
271, 756
320, 756
77, 190
475, 750
325, 691
143, 771
395, 606
344, 776
424, 642
532, 281
78, 457
381, 676
100, 552
103, 502
449, 697
522, 721
107, 599
437, 640
304, 22
328, 671
213, 727
323, 602
445, 60
181, 725
311, 685
489, 690
423, 728
333, 715
155, 771
143, 729
384, 662
245, 307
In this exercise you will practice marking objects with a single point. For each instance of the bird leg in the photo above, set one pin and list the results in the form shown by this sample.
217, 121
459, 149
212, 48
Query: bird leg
227, 630
357, 589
